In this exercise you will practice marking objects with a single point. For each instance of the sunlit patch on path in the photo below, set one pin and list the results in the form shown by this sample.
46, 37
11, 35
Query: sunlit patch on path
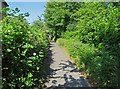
62, 72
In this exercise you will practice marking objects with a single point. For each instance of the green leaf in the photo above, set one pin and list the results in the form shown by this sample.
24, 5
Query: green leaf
9, 50
30, 75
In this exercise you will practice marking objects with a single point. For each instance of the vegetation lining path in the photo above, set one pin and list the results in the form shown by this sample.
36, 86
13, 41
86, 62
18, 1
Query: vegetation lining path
62, 72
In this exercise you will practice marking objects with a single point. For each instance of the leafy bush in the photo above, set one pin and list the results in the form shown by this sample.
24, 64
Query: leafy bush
24, 51
97, 41
98, 63
96, 24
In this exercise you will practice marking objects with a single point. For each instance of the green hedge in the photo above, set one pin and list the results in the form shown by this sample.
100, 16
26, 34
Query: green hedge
98, 63
24, 51
96, 47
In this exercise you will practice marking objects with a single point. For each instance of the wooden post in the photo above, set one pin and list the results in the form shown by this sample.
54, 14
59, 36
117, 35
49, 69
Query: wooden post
3, 5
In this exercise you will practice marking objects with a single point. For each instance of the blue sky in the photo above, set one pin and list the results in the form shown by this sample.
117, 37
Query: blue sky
35, 9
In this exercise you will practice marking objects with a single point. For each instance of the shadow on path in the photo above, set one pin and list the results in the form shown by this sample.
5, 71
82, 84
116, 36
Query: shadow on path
61, 72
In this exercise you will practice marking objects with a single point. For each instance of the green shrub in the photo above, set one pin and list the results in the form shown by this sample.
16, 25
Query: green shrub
97, 41
24, 51
98, 63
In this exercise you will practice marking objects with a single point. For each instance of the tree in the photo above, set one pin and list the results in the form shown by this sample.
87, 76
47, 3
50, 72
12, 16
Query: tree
38, 24
58, 15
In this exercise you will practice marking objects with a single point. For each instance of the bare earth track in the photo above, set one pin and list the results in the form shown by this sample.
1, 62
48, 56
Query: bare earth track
62, 72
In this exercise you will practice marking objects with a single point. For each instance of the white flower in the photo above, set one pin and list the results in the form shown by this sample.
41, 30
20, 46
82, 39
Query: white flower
8, 30
34, 54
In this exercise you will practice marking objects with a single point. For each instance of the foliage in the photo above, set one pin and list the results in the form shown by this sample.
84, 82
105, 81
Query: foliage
38, 24
89, 31
98, 25
98, 63
96, 41
24, 51
57, 16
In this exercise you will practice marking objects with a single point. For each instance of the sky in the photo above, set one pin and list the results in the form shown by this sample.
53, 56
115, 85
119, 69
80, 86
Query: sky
35, 9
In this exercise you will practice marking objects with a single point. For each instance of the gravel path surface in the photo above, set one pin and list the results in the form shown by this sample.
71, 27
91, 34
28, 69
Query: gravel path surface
62, 72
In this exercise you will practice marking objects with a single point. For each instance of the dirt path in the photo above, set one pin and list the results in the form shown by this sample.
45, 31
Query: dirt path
62, 72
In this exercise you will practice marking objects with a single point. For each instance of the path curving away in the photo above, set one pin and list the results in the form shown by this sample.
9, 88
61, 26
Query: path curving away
62, 72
